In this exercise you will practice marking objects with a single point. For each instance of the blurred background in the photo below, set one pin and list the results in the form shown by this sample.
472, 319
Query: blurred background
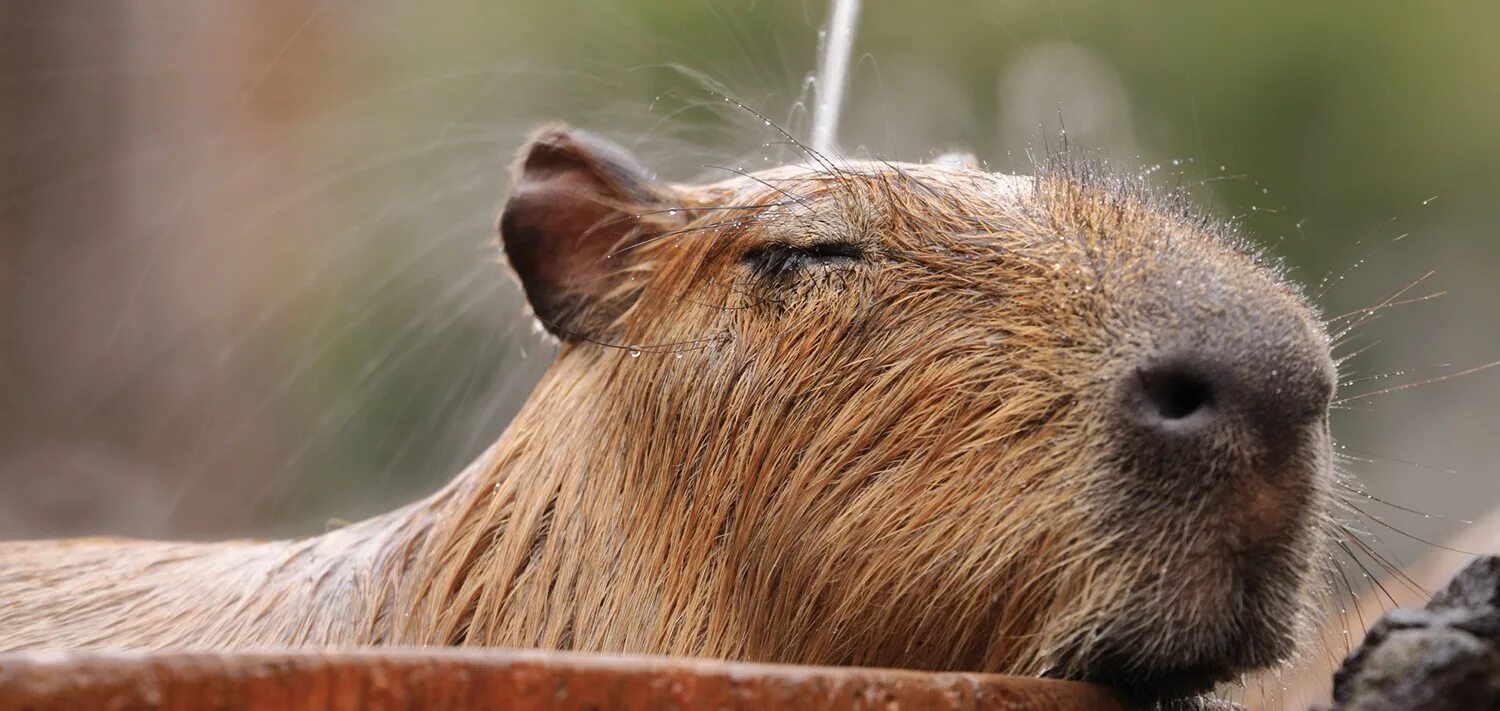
248, 280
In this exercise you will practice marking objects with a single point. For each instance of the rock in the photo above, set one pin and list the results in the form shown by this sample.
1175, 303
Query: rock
1445, 656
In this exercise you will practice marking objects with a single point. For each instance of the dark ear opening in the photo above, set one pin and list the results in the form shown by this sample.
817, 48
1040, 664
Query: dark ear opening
579, 204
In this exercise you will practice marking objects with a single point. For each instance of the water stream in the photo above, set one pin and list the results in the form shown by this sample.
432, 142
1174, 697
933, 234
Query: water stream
836, 46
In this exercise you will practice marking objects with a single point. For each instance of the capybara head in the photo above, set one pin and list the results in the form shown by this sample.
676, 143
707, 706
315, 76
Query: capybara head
935, 417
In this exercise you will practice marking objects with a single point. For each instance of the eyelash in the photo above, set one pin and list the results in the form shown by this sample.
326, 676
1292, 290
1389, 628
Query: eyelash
776, 261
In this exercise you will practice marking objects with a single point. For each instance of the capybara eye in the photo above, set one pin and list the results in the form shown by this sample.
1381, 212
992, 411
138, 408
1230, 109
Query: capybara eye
779, 260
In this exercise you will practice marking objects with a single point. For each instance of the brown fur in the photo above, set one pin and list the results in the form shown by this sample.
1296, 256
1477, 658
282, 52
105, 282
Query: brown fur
903, 461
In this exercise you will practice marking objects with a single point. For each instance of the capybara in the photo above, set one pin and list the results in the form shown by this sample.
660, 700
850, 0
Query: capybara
838, 412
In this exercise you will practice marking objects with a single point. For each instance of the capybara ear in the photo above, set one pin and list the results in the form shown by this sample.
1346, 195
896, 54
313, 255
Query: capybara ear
579, 204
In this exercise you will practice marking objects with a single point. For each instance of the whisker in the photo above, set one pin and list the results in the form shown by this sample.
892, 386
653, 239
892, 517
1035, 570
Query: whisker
1396, 571
1353, 598
1342, 359
1377, 519
1329, 280
1367, 313
1393, 374
815, 155
1381, 457
656, 348
1374, 579
798, 198
1392, 304
676, 233
708, 208
1429, 381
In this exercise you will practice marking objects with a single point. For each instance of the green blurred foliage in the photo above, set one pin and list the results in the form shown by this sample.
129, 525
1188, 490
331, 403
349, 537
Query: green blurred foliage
391, 348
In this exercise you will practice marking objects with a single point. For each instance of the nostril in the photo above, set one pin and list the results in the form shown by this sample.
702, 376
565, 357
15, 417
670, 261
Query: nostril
1172, 393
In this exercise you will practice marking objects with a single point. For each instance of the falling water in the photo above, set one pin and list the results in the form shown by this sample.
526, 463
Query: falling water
833, 73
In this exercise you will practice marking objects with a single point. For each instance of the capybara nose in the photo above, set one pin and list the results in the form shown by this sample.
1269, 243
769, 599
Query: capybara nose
1210, 405
1174, 396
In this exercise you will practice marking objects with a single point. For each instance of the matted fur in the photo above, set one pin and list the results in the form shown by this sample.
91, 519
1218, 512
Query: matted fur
909, 459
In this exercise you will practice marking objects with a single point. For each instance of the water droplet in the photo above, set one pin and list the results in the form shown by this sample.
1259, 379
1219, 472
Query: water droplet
634, 352
672, 212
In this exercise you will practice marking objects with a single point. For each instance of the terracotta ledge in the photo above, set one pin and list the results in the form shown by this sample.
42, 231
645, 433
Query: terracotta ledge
275, 680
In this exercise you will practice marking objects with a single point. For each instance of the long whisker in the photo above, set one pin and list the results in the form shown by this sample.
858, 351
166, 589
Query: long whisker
798, 198
1374, 579
1383, 502
1353, 597
1396, 571
1376, 519
1403, 302
1351, 356
1373, 457
1429, 381
1367, 313
687, 230
1393, 374
817, 156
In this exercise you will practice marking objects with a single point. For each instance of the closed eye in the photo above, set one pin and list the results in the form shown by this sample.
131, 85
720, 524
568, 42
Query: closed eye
780, 260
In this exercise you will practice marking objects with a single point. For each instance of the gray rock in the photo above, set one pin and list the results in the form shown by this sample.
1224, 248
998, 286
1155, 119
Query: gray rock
1445, 656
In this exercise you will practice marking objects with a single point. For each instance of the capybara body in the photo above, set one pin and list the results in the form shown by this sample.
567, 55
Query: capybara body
862, 413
